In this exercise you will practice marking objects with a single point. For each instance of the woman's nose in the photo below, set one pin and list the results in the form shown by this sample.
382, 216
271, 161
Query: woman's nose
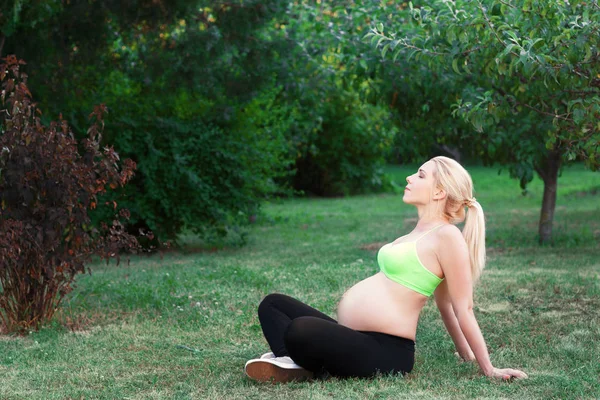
408, 179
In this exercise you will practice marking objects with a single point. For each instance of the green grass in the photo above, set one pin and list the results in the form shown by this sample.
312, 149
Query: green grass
119, 332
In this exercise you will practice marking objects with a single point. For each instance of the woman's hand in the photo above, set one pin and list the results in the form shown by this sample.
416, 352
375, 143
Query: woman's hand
507, 373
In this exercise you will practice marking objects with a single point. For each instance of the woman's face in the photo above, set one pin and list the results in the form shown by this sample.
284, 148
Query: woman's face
419, 186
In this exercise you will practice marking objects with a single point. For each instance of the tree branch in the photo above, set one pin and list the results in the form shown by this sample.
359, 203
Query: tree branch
540, 172
507, 4
582, 92
403, 43
515, 102
559, 116
489, 23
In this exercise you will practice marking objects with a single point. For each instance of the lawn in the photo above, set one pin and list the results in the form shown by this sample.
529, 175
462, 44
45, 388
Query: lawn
182, 326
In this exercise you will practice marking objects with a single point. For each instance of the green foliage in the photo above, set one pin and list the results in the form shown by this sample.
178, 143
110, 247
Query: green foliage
345, 151
530, 71
199, 176
345, 129
191, 97
418, 98
17, 14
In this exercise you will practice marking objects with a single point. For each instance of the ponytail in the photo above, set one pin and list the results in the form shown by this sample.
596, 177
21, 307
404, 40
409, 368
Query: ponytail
474, 234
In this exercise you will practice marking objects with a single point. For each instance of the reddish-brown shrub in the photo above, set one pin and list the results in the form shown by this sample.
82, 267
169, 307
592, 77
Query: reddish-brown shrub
48, 182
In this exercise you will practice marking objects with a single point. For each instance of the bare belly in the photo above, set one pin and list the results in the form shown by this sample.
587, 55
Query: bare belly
378, 304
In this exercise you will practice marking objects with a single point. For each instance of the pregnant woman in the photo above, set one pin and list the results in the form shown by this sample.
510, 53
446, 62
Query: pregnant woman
377, 317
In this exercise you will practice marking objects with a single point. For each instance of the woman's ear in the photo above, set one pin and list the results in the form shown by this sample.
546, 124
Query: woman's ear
439, 194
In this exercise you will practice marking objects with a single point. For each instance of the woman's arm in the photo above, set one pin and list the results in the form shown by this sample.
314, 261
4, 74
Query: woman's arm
442, 299
454, 258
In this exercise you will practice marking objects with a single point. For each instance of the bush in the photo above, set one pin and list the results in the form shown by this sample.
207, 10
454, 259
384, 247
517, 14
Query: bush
345, 150
47, 187
200, 173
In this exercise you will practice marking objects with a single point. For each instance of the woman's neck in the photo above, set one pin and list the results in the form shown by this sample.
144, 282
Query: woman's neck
428, 217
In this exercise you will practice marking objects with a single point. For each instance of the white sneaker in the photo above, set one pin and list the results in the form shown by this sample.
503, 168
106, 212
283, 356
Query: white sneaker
267, 355
276, 369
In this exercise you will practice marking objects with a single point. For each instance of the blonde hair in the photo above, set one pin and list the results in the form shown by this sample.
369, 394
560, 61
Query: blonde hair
456, 181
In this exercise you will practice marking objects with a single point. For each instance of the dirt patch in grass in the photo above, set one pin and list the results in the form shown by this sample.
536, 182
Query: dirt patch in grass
372, 246
411, 220
8, 338
497, 251
559, 307
85, 321
516, 211
560, 314
137, 348
496, 307
583, 193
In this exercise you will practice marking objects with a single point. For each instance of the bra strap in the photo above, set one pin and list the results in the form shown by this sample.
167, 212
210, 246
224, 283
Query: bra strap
432, 229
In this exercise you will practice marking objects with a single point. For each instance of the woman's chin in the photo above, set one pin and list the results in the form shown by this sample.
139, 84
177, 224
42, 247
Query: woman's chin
407, 200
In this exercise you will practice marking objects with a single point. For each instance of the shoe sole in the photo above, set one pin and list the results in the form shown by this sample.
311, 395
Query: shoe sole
267, 372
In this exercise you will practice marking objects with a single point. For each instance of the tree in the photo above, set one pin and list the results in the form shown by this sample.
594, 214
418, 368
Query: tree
531, 73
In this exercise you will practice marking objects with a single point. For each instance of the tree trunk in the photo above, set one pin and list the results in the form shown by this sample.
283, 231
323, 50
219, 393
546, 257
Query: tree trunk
2, 38
454, 152
548, 171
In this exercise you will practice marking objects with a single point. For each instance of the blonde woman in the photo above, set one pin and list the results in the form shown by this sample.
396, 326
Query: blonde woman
377, 317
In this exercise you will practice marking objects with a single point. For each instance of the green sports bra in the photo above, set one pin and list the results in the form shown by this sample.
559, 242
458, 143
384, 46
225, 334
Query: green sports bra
401, 264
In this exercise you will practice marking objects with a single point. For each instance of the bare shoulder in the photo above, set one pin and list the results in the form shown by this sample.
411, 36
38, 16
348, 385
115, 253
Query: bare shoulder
450, 232
451, 238
453, 254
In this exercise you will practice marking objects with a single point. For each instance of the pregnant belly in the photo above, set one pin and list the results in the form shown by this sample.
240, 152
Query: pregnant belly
380, 305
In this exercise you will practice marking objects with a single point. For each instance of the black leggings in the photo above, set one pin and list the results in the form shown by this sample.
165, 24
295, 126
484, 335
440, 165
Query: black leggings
318, 343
